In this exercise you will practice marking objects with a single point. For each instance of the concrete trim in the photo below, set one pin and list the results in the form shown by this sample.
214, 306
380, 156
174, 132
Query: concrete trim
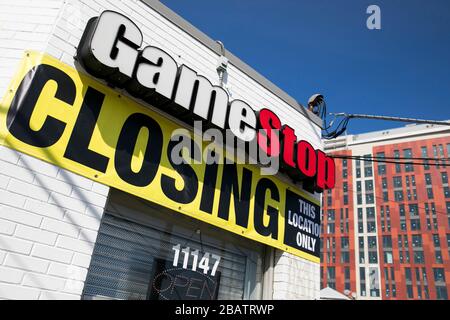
215, 47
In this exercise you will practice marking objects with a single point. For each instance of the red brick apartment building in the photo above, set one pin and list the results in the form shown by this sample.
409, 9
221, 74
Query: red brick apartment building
386, 226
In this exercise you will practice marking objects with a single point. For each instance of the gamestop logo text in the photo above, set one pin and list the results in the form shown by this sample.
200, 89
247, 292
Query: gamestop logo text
110, 49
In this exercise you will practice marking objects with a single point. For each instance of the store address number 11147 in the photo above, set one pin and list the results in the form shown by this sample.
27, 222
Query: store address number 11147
202, 264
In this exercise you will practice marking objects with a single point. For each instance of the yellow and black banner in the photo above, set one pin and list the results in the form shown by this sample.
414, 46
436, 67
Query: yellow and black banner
55, 113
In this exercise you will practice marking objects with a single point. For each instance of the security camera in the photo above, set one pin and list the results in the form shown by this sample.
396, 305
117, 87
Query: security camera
315, 103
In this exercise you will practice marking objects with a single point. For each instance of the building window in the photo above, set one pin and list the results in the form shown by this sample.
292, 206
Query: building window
370, 213
408, 154
437, 248
331, 277
358, 168
345, 189
435, 154
347, 278
427, 215
362, 281
430, 193
428, 181
408, 276
387, 249
439, 279
425, 156
397, 182
381, 165
401, 209
373, 253
345, 257
344, 169
368, 166
329, 198
397, 165
447, 192
330, 228
386, 276
344, 243
447, 204
444, 177
414, 217
438, 256
362, 257
448, 244
398, 195
384, 183
371, 227
439, 275
409, 291
374, 284
417, 241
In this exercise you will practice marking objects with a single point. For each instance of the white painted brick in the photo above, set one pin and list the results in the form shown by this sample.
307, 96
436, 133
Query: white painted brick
38, 166
76, 245
12, 25
44, 209
12, 199
43, 29
51, 253
27, 36
89, 197
95, 211
10, 53
27, 263
67, 202
16, 292
61, 227
15, 245
82, 220
75, 179
2, 257
100, 189
88, 235
28, 190
74, 287
53, 51
81, 260
4, 181
67, 271
36, 235
7, 227
52, 295
20, 216
7, 154
43, 282
65, 46
9, 275
52, 184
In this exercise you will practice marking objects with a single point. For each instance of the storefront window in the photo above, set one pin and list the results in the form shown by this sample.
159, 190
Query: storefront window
146, 252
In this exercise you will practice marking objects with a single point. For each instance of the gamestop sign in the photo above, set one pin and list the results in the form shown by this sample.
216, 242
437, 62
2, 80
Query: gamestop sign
56, 113
110, 49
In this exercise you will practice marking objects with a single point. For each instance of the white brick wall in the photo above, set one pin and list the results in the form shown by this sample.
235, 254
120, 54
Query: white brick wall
46, 233
24, 24
295, 278
39, 201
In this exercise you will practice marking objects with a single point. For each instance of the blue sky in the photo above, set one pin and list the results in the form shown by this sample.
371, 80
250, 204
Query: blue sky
311, 46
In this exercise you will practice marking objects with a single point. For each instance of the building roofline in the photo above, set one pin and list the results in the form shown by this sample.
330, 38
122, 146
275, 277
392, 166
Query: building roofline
215, 47
409, 131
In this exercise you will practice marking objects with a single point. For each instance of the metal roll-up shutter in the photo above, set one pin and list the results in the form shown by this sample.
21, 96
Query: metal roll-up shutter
134, 243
